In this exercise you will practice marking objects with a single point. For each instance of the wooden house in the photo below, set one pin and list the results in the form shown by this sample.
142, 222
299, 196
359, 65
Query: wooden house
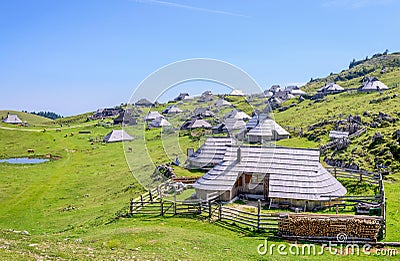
125, 117
12, 119
152, 115
159, 123
195, 123
144, 103
172, 110
331, 88
202, 113
106, 113
280, 176
372, 84
275, 88
238, 115
206, 97
182, 96
229, 125
267, 130
117, 136
237, 93
222, 103
260, 129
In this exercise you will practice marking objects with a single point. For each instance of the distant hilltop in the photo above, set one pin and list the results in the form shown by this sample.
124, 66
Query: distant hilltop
383, 66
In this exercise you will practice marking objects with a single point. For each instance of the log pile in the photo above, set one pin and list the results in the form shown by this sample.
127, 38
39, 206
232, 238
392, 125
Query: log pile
329, 226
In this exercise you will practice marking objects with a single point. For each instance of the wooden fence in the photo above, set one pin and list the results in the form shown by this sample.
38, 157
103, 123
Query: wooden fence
360, 175
163, 207
258, 220
358, 133
210, 210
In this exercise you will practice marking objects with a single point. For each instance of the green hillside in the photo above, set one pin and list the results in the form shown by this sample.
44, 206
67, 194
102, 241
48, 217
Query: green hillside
379, 112
73, 207
385, 67
30, 118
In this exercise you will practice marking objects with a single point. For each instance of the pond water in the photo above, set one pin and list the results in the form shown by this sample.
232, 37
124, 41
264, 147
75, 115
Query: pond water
24, 160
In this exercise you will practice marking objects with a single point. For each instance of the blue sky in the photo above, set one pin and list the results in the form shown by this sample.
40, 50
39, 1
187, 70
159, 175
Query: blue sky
73, 56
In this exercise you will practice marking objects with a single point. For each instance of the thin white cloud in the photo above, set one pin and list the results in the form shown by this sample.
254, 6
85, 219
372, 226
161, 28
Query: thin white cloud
189, 7
355, 3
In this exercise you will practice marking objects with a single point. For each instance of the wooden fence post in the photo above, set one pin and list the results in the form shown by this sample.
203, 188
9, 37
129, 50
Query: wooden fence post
220, 212
162, 207
131, 207
361, 176
258, 214
334, 171
151, 196
174, 203
209, 211
141, 199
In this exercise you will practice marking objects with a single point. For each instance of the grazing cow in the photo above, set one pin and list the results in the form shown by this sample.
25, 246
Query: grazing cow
130, 149
31, 151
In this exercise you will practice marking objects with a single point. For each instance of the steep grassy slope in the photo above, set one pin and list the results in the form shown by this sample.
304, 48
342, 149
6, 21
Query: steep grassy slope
351, 78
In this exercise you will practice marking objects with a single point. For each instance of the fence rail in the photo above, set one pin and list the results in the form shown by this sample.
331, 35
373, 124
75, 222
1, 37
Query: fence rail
212, 210
360, 175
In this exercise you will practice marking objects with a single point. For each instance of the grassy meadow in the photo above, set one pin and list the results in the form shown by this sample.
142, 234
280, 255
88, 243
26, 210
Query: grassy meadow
73, 207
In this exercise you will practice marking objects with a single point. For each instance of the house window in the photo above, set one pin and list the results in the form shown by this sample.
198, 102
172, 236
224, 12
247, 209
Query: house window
257, 179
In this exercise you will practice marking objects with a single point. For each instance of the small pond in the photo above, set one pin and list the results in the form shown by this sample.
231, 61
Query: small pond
24, 160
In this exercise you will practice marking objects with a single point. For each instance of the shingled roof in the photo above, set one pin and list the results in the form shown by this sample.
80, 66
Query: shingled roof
293, 173
195, 123
237, 114
222, 102
210, 153
152, 115
172, 109
372, 84
12, 119
268, 128
117, 136
159, 122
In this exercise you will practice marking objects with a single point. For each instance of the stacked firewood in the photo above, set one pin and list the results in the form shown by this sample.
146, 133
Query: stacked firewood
328, 226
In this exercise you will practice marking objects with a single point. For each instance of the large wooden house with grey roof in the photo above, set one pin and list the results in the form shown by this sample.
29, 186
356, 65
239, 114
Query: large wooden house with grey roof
289, 176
